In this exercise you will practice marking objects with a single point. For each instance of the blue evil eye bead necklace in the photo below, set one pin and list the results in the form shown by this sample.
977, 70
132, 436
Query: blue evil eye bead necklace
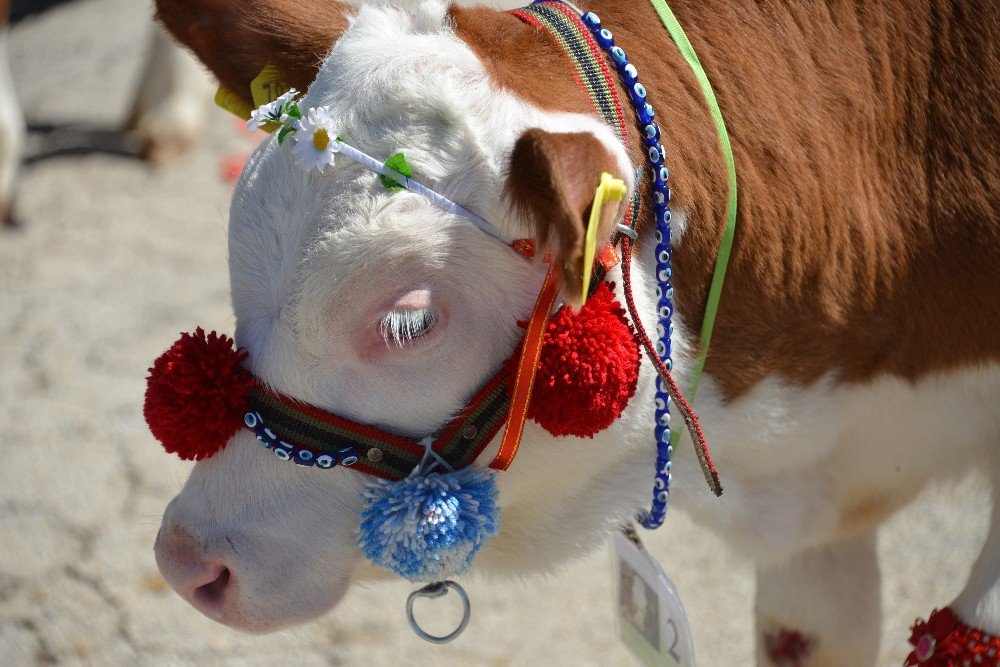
653, 518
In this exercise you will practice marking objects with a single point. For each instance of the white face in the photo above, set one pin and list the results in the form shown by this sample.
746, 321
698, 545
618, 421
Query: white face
376, 306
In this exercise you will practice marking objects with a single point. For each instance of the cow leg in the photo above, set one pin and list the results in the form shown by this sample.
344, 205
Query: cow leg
979, 604
12, 129
173, 98
821, 607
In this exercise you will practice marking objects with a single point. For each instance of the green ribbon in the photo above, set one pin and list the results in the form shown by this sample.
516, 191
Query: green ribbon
726, 246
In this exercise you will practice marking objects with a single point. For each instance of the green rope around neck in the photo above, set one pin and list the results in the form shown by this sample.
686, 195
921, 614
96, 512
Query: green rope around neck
726, 246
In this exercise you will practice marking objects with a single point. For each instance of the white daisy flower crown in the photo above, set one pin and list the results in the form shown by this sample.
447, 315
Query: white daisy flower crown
318, 141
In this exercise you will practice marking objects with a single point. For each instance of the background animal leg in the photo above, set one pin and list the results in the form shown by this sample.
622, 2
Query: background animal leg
978, 605
174, 95
12, 130
821, 607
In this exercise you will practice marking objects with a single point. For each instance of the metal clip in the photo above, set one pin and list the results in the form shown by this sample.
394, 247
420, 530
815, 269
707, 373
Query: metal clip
436, 590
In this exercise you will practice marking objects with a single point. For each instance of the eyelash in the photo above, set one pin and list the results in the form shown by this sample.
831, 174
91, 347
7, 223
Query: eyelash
402, 326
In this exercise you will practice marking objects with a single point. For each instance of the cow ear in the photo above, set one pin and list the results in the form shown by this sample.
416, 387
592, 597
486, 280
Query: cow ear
551, 184
235, 39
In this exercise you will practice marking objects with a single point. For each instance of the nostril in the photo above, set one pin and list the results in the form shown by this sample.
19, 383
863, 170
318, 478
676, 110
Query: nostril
213, 592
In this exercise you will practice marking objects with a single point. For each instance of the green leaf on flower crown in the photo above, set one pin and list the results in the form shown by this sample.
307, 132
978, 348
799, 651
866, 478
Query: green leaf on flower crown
285, 131
397, 163
294, 111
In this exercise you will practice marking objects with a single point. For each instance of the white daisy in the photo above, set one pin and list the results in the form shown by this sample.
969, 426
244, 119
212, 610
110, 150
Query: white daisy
272, 112
316, 139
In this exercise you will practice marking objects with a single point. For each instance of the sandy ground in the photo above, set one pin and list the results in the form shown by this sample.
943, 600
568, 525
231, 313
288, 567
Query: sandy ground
114, 259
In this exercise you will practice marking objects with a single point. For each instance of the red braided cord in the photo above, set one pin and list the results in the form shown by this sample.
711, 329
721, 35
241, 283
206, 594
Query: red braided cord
687, 414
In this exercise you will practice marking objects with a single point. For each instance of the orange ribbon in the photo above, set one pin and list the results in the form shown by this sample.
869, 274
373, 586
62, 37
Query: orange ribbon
527, 367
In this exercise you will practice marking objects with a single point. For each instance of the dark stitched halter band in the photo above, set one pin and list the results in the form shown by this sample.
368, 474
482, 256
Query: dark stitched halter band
304, 434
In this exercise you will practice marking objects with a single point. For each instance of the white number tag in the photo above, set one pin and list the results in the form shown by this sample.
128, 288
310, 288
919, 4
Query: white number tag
649, 616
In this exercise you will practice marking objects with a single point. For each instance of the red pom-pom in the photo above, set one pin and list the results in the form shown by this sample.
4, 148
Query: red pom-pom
588, 369
195, 394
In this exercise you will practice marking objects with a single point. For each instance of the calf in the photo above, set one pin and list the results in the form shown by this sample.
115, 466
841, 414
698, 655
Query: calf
857, 350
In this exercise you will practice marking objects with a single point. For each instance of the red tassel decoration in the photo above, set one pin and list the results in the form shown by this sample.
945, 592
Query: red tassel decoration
195, 394
944, 641
588, 368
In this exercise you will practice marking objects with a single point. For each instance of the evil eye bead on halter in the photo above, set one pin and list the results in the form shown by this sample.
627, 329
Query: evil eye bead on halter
658, 235
663, 257
325, 461
304, 457
664, 420
347, 456
631, 76
592, 20
645, 114
282, 453
662, 496
663, 275
665, 176
654, 155
618, 55
667, 217
251, 420
651, 134
263, 441
605, 39
270, 434
638, 93
661, 349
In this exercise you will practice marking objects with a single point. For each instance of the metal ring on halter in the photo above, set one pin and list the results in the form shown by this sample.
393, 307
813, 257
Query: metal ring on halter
436, 590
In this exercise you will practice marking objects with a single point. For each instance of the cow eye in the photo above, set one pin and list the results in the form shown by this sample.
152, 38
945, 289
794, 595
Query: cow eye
402, 326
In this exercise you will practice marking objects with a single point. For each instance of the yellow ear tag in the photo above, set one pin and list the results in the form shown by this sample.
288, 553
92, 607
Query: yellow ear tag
231, 102
610, 189
265, 88
268, 86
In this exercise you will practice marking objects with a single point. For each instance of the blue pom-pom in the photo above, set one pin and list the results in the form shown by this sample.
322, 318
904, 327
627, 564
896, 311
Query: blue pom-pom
429, 527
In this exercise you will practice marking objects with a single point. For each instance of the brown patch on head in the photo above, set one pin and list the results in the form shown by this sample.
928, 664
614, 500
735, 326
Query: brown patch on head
521, 58
237, 38
551, 182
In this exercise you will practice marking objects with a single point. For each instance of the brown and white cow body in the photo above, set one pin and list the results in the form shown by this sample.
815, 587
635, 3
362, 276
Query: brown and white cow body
857, 351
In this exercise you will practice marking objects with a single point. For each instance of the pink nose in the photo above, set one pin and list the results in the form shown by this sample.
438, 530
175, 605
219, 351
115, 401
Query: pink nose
204, 580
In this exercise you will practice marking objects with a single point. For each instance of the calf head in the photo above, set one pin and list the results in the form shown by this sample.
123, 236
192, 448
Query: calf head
319, 260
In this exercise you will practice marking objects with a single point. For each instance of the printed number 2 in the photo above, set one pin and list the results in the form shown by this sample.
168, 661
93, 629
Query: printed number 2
672, 650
